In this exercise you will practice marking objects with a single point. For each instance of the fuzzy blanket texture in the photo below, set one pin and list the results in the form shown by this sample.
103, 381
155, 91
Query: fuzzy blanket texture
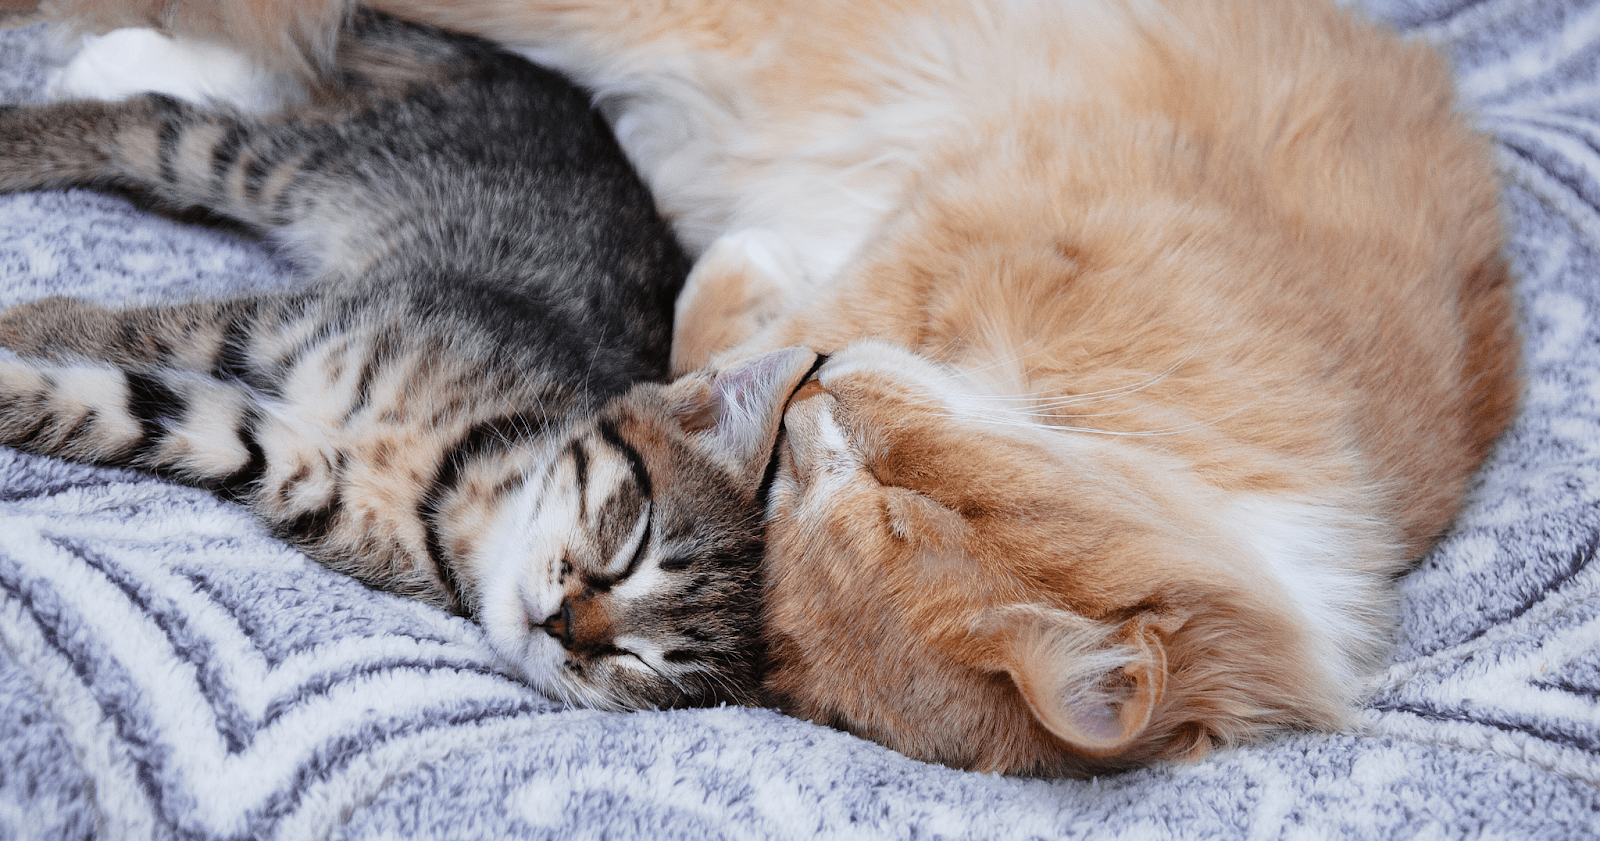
168, 670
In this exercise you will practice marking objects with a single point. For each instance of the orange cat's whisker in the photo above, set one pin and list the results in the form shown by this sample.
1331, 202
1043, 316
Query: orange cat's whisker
995, 420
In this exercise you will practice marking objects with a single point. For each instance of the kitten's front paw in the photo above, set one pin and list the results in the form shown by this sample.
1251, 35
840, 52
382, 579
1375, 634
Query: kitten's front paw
73, 410
125, 62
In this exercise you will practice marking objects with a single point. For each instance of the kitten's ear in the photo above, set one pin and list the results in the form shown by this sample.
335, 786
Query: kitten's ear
733, 414
1094, 686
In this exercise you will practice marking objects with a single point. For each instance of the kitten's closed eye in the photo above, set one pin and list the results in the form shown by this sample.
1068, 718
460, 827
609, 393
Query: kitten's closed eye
626, 567
677, 563
627, 558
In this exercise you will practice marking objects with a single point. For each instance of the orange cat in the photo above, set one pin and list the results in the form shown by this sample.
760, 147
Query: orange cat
1164, 336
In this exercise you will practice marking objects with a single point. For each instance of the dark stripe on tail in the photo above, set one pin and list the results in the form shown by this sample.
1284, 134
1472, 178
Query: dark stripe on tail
236, 485
152, 404
165, 146
255, 174
167, 110
133, 336
641, 476
285, 199
223, 157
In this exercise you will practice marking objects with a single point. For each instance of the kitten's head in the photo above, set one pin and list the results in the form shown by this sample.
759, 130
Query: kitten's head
623, 571
1002, 599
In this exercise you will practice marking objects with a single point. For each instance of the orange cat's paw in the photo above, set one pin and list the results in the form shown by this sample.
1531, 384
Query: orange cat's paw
736, 288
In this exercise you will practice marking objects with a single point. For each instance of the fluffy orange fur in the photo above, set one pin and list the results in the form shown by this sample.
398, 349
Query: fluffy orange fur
1163, 335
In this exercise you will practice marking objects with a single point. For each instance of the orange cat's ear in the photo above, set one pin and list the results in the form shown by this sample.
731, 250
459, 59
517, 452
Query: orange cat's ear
1094, 686
733, 414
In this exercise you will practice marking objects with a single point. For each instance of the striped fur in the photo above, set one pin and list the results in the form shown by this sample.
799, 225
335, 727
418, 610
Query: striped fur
465, 407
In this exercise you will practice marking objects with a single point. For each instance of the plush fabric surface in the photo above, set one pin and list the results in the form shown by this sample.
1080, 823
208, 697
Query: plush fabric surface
168, 670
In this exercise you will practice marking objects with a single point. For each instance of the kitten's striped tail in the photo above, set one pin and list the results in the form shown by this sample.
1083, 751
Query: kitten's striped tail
178, 154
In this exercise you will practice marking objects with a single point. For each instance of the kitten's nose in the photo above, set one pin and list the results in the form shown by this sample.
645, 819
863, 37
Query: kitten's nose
582, 624
559, 624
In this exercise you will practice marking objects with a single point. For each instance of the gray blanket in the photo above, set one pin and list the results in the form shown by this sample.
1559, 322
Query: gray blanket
168, 670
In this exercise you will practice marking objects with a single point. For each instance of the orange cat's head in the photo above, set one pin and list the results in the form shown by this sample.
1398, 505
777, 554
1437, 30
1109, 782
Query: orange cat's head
983, 596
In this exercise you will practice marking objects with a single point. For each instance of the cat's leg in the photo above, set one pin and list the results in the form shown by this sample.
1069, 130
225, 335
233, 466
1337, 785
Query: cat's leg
300, 38
248, 398
289, 180
735, 289
129, 61
204, 337
376, 57
173, 422
178, 154
130, 387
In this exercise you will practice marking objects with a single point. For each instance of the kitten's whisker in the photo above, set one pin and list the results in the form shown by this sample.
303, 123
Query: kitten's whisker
717, 678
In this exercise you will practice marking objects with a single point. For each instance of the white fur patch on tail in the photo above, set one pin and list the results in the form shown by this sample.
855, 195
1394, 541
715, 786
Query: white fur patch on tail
125, 62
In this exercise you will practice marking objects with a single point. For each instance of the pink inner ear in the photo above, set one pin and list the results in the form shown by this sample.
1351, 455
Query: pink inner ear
1100, 722
751, 387
747, 403
1086, 685
697, 411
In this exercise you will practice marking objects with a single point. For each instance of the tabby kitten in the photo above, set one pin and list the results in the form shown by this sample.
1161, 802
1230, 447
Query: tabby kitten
464, 408
1164, 334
